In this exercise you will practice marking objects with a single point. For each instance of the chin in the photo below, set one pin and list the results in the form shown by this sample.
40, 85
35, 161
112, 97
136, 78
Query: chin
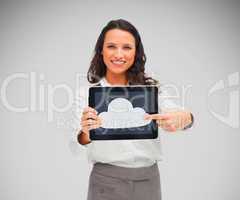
117, 71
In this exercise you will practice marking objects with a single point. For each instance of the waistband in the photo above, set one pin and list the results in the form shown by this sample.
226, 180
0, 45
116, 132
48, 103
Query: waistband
141, 173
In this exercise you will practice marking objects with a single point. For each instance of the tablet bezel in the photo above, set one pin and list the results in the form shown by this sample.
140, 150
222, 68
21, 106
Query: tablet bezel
154, 126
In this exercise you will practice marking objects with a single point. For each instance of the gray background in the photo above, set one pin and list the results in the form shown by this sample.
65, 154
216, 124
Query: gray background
187, 43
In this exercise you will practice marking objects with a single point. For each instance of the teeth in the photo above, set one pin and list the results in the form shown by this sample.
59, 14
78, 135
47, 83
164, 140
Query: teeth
118, 62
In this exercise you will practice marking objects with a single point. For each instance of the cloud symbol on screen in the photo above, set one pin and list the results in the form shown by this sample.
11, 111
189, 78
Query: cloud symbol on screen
121, 114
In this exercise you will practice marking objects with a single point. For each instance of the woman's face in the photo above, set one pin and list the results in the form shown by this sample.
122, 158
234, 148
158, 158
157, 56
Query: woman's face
118, 51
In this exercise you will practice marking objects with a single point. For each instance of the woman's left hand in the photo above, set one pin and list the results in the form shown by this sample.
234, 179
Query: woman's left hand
171, 121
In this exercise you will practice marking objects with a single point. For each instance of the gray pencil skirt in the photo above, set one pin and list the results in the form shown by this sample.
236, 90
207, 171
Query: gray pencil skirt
108, 182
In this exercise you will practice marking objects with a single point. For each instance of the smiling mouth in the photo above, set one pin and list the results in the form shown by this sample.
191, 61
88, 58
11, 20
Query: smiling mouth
119, 63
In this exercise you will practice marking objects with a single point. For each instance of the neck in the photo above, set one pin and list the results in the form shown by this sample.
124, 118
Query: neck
114, 79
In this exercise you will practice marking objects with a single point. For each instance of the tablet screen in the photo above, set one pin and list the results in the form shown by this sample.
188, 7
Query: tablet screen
122, 111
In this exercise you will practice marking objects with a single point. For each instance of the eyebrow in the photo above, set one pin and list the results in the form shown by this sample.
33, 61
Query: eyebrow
112, 43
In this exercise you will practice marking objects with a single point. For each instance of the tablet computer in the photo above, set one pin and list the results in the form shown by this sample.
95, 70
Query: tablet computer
122, 111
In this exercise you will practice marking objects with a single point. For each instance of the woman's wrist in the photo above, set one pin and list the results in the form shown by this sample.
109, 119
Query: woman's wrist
83, 138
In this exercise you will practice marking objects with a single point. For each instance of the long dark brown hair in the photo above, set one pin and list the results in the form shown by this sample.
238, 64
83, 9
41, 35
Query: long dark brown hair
136, 73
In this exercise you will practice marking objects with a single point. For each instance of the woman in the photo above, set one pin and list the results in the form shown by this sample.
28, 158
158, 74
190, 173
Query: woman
125, 169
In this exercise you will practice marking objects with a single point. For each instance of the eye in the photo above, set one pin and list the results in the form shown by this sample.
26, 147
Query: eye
127, 47
110, 46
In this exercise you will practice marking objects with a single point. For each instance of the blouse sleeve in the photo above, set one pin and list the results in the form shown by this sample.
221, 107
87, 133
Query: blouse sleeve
166, 104
80, 102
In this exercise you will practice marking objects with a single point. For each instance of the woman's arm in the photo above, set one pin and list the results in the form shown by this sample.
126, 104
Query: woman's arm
173, 121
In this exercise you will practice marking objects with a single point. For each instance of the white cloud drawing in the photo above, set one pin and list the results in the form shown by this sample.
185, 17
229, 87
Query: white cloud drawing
121, 114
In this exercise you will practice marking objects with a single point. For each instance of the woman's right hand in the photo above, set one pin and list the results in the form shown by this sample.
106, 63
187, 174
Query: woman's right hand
90, 120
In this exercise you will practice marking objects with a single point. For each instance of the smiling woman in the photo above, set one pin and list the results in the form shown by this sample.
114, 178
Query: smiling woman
124, 169
118, 53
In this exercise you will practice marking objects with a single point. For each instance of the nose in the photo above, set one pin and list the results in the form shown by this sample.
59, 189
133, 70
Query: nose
118, 53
